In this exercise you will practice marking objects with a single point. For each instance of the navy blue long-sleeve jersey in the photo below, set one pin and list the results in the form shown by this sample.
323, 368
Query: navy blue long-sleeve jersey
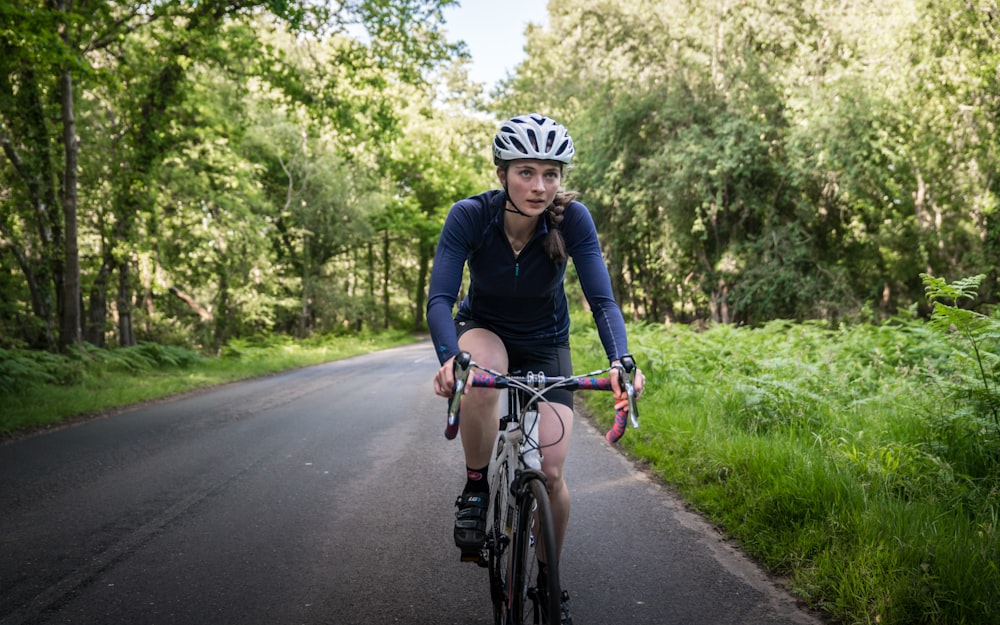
521, 297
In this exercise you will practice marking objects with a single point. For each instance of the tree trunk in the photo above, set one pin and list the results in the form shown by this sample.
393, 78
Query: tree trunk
40, 263
222, 319
371, 283
991, 255
305, 317
385, 280
426, 250
125, 336
97, 311
41, 304
70, 332
205, 314
149, 145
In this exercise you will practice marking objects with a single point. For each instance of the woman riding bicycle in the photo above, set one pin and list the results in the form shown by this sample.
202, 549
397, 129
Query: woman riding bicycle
516, 242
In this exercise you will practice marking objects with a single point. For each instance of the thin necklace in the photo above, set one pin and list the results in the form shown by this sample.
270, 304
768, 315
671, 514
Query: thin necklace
515, 248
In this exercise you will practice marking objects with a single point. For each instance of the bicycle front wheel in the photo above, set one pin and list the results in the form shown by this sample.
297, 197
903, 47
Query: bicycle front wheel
534, 539
499, 538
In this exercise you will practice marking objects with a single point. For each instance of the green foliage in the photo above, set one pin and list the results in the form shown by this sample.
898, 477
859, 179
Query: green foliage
142, 358
968, 420
287, 165
23, 371
838, 455
26, 369
185, 181
759, 160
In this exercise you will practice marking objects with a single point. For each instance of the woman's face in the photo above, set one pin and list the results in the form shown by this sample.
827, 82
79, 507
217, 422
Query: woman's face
531, 184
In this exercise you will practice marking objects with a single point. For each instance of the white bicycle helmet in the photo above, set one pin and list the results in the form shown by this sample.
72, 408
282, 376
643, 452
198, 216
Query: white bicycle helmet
532, 136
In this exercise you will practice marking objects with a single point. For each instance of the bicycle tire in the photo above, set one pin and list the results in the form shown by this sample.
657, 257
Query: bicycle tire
499, 538
534, 527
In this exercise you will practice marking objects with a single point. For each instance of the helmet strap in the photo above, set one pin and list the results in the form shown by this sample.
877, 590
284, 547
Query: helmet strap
511, 202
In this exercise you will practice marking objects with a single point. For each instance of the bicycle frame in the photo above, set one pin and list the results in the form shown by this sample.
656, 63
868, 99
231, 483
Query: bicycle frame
520, 523
508, 454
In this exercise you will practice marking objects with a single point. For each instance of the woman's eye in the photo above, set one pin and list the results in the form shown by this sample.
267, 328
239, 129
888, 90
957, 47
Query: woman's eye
528, 174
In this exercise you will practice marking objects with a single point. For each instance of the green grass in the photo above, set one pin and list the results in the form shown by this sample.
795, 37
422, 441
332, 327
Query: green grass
859, 462
38, 389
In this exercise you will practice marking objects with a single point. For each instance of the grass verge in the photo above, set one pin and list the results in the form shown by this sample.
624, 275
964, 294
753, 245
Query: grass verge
39, 390
859, 463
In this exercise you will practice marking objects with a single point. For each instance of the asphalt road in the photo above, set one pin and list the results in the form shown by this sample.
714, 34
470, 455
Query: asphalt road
325, 496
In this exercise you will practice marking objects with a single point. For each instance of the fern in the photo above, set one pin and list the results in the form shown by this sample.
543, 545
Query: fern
980, 332
21, 370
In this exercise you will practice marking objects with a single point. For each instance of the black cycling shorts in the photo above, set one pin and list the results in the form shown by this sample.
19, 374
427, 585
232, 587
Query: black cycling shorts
552, 360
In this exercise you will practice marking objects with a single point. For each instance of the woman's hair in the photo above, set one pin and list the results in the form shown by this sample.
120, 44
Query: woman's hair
555, 245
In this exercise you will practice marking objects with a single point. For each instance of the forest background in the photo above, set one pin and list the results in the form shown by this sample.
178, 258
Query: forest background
194, 172
204, 175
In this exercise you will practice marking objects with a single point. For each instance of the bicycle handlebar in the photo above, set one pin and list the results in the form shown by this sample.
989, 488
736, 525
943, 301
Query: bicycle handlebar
463, 364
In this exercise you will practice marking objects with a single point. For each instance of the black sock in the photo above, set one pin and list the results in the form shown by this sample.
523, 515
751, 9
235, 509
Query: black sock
475, 480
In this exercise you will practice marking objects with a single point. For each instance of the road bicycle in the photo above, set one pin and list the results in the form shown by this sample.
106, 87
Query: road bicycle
520, 528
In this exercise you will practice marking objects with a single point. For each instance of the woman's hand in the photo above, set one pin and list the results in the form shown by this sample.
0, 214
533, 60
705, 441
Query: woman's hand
638, 382
444, 380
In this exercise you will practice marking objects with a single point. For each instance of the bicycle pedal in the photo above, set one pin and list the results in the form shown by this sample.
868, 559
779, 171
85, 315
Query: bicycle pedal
474, 556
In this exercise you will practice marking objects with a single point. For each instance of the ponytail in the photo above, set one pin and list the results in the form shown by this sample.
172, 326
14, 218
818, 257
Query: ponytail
555, 245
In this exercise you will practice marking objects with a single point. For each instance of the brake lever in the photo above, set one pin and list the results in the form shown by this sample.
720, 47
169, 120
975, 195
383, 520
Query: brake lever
460, 366
627, 368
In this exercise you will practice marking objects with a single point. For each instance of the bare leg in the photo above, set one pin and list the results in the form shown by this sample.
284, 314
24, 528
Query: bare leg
553, 459
480, 414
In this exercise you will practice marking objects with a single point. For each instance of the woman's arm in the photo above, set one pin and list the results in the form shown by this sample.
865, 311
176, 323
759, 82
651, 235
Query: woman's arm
585, 249
446, 280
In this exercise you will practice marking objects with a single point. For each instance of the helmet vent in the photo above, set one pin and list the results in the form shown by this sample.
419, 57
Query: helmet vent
533, 139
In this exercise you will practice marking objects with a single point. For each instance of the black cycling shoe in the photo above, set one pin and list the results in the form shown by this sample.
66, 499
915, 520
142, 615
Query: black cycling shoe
564, 615
565, 618
470, 521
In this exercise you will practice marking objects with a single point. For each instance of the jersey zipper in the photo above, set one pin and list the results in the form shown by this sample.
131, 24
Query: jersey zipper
517, 256
517, 269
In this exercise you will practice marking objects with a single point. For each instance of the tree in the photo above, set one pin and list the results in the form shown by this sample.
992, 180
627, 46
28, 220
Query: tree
33, 58
442, 156
747, 159
135, 63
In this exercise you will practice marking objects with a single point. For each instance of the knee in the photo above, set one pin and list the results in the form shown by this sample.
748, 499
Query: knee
478, 401
554, 482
